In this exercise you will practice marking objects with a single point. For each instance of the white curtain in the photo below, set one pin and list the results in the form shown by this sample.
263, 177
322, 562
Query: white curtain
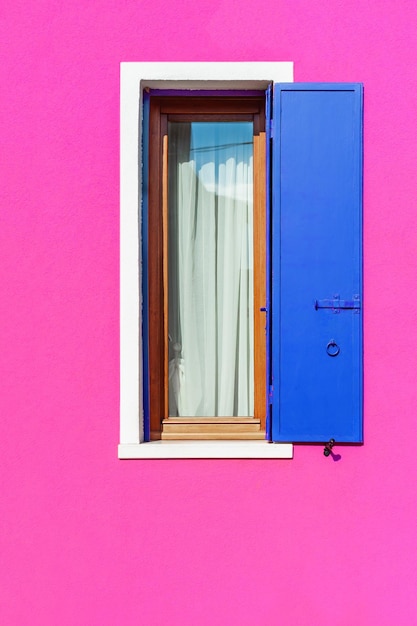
211, 270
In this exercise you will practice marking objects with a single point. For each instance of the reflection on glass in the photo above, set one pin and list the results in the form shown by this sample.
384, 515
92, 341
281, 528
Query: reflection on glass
210, 268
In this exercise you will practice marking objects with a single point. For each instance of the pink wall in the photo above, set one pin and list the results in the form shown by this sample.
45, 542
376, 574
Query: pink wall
87, 539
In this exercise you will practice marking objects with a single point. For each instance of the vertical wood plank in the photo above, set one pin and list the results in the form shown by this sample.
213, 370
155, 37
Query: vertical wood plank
165, 262
259, 247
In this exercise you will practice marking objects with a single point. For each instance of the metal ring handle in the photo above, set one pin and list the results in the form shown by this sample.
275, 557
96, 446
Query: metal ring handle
332, 348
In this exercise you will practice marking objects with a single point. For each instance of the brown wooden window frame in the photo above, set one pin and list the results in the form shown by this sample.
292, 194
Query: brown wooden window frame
197, 108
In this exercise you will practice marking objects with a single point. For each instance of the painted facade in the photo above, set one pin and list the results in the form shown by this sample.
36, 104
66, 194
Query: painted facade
90, 539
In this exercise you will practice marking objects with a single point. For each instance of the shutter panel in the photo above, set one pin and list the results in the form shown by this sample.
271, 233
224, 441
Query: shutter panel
269, 95
316, 287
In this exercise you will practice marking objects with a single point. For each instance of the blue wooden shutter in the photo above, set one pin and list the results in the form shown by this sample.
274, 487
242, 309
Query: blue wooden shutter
269, 94
316, 297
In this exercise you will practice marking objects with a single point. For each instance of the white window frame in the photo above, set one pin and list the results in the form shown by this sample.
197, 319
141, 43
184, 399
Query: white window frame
135, 77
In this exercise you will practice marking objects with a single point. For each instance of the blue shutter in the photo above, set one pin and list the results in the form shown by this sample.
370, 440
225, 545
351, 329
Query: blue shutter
269, 94
316, 287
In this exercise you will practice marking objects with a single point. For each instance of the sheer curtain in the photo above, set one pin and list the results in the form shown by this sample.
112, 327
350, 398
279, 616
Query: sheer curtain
210, 275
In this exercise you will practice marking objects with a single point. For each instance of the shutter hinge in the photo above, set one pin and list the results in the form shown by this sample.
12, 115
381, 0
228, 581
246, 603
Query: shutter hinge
270, 394
271, 128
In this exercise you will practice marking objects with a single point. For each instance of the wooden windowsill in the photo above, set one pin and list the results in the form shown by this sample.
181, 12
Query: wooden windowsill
216, 428
211, 420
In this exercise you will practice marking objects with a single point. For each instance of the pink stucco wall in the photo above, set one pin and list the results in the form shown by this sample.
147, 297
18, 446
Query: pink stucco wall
88, 539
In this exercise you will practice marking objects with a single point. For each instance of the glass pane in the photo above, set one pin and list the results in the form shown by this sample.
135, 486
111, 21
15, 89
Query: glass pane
210, 268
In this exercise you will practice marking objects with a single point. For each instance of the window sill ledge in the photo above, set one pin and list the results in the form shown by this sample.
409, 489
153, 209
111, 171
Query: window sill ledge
206, 450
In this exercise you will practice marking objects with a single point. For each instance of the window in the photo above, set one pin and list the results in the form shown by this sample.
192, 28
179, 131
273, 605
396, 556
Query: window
314, 161
206, 267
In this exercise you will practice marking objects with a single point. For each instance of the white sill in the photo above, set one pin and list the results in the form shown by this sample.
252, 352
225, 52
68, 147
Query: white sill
206, 450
